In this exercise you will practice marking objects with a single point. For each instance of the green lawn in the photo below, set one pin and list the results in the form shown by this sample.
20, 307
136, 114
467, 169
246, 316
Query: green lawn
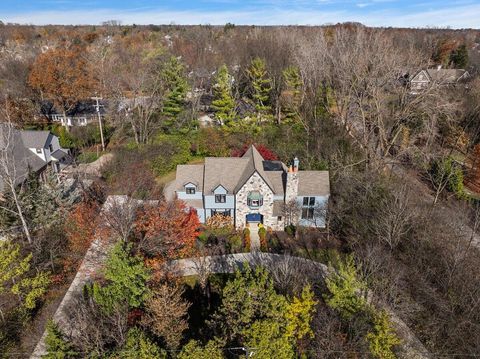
163, 180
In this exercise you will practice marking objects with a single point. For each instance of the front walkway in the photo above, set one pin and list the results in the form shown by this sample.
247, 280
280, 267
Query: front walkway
254, 237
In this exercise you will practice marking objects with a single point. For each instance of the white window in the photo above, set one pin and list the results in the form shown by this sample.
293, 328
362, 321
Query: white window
254, 199
190, 190
308, 207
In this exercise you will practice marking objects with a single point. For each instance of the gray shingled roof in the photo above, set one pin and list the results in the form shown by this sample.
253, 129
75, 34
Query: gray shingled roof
23, 159
278, 181
255, 164
59, 154
278, 207
233, 172
189, 173
313, 183
446, 75
194, 203
225, 171
35, 139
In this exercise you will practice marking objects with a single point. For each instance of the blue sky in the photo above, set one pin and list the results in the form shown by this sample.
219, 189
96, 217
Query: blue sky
403, 13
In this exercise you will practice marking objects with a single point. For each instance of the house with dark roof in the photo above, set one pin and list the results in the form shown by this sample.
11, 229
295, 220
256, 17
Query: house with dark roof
250, 189
31, 151
84, 113
441, 77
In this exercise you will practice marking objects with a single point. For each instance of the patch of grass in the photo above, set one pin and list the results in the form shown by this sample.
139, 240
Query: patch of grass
88, 157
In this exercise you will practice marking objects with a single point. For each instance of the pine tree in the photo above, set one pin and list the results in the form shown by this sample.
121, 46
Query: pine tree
249, 297
292, 94
194, 350
383, 337
299, 315
260, 85
127, 278
14, 269
345, 288
57, 346
223, 103
139, 346
459, 57
177, 87
268, 340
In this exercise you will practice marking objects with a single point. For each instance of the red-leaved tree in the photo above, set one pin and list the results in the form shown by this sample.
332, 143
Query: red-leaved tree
167, 230
80, 230
266, 153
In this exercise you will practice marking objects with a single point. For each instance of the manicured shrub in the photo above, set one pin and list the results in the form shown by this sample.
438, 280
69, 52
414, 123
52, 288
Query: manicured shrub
235, 243
262, 233
246, 239
290, 230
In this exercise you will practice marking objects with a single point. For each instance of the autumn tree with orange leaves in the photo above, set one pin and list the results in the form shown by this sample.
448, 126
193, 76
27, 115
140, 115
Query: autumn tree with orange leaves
62, 76
80, 228
168, 230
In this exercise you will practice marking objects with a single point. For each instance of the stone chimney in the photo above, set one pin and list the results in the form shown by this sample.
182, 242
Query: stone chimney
291, 188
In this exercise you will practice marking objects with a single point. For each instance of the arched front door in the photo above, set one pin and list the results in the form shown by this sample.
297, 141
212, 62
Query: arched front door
254, 218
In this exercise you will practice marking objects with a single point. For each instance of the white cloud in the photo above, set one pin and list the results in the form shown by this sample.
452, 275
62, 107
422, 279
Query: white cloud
465, 16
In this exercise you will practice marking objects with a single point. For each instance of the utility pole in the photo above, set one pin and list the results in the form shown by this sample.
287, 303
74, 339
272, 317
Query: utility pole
97, 107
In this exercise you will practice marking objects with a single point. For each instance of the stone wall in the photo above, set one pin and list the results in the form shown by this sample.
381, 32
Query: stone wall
291, 189
255, 183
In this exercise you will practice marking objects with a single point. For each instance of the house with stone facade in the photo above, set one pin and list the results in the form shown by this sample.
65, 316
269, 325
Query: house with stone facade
250, 189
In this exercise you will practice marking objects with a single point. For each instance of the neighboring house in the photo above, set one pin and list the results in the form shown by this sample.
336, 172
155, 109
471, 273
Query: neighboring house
251, 189
442, 77
81, 115
32, 151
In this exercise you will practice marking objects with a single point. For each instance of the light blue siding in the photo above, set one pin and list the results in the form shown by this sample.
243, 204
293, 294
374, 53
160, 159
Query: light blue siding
319, 212
229, 202
201, 214
184, 195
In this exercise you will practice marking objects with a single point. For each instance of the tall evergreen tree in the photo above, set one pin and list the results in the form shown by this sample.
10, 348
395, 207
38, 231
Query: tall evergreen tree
127, 278
176, 84
139, 346
459, 57
292, 94
223, 103
345, 288
383, 338
57, 346
261, 85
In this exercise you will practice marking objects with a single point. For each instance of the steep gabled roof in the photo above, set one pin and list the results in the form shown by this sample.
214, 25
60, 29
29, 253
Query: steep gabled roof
22, 159
224, 171
189, 174
35, 139
255, 164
